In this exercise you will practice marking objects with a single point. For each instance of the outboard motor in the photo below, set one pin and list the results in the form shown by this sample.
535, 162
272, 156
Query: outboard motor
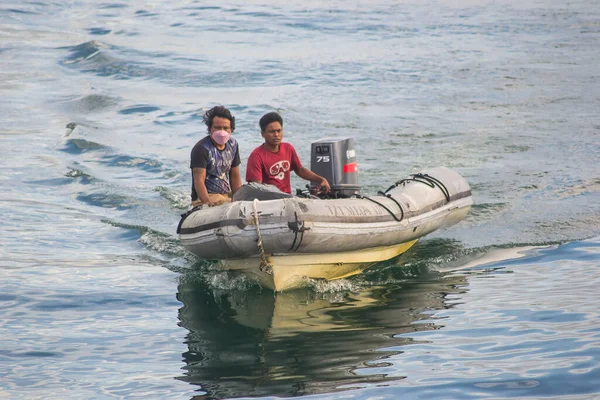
335, 160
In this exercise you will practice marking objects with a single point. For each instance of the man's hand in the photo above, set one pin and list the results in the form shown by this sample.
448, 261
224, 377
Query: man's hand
199, 202
324, 185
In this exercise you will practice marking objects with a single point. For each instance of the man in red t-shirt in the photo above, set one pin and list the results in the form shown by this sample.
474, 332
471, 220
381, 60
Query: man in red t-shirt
273, 161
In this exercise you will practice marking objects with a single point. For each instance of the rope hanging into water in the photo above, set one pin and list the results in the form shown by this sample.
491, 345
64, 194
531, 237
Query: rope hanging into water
264, 262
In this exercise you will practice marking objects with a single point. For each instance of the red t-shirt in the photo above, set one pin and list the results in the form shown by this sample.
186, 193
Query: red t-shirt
273, 168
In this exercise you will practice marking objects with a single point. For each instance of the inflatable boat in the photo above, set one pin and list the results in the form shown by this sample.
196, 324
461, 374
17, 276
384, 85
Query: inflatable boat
282, 239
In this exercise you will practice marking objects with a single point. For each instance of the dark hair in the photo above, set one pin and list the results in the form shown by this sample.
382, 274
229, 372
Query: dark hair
218, 111
268, 118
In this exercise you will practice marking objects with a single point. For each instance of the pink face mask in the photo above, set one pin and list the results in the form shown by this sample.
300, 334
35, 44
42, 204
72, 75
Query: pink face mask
220, 137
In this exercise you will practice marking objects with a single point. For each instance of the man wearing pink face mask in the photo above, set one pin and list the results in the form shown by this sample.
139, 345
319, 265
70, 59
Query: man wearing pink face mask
215, 160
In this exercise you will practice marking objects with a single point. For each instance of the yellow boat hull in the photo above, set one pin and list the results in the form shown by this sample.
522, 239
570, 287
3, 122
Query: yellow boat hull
289, 271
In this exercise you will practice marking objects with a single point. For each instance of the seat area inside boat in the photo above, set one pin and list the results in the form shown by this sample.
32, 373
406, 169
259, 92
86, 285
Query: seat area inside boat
260, 191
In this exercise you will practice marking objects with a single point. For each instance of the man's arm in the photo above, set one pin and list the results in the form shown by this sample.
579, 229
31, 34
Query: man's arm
307, 174
199, 178
235, 179
254, 169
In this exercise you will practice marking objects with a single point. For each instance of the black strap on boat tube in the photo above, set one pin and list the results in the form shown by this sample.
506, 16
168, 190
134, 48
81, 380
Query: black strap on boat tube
396, 184
184, 216
425, 179
294, 242
389, 196
415, 178
301, 238
294, 227
438, 183
384, 207
297, 226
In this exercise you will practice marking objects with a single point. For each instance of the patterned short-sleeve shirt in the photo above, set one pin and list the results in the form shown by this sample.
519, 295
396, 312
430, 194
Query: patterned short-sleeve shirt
218, 164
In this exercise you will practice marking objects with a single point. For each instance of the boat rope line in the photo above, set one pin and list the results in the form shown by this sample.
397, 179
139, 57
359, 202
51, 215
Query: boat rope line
297, 226
184, 216
389, 196
240, 223
264, 262
437, 183
427, 180
384, 207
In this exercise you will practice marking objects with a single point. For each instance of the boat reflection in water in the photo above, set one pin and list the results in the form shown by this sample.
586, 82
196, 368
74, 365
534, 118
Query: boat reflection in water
257, 343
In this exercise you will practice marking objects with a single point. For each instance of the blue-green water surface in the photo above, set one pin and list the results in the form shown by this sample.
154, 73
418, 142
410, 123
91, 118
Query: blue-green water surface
101, 102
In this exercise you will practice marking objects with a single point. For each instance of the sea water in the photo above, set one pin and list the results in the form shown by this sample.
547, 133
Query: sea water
101, 103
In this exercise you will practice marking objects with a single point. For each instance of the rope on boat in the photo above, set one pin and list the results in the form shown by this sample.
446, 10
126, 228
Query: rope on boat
184, 216
264, 262
297, 227
384, 207
427, 180
389, 196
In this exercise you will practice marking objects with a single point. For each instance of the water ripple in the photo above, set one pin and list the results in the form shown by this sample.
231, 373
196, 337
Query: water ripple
102, 102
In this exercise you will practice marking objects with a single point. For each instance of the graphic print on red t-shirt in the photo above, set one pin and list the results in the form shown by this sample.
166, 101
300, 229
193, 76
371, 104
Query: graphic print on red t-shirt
279, 169
273, 168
